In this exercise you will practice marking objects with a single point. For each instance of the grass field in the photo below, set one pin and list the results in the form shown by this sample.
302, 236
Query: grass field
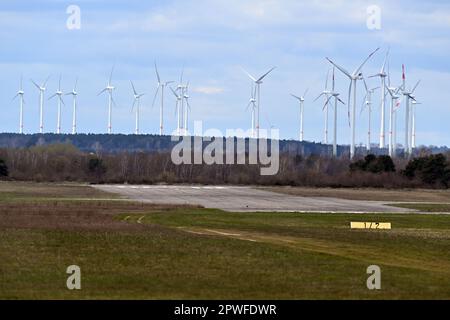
370, 194
132, 250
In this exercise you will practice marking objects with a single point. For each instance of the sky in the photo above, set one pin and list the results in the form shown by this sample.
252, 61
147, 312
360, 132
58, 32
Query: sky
214, 40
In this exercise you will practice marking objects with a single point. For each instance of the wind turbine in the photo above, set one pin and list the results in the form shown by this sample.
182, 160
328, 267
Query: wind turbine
382, 74
137, 102
368, 104
41, 89
258, 83
354, 77
301, 100
252, 104
109, 88
408, 119
187, 109
177, 109
335, 95
394, 93
20, 94
74, 95
162, 85
326, 93
58, 94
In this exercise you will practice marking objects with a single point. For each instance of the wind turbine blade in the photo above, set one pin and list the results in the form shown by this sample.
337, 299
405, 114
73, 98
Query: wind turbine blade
174, 93
14, 98
389, 90
248, 105
111, 74
76, 84
134, 90
37, 86
340, 100
102, 91
156, 94
249, 75
326, 80
365, 85
340, 68
157, 74
132, 106
265, 74
52, 96
296, 97
62, 101
306, 91
385, 61
415, 87
318, 97
326, 102
45, 82
365, 61
59, 83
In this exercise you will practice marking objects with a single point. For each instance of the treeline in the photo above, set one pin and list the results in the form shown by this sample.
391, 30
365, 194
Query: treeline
64, 162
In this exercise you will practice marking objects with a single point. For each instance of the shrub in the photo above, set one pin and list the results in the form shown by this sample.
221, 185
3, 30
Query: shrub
432, 170
3, 169
374, 164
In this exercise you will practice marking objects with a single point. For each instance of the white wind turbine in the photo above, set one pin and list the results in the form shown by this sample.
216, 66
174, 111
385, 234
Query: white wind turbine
367, 104
327, 94
20, 94
74, 95
301, 101
382, 74
394, 93
258, 83
187, 109
59, 95
178, 102
354, 77
41, 89
335, 95
408, 114
162, 85
252, 104
109, 88
137, 103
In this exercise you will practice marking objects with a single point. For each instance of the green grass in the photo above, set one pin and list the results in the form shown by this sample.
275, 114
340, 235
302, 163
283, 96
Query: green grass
189, 253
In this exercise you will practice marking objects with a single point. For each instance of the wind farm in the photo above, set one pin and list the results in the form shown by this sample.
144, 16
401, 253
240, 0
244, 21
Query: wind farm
181, 98
263, 151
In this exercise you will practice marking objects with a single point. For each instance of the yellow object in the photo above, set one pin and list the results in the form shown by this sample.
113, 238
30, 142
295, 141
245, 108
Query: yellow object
370, 225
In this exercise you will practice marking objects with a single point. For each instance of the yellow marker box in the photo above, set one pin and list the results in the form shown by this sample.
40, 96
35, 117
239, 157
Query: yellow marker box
370, 225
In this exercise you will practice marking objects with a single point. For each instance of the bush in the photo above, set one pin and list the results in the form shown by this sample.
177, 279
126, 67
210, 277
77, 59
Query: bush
96, 168
3, 169
431, 170
374, 164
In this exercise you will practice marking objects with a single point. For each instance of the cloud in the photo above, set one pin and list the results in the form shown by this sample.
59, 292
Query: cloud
208, 90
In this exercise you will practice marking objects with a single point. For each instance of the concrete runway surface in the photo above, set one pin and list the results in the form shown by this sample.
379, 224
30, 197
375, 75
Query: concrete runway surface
233, 198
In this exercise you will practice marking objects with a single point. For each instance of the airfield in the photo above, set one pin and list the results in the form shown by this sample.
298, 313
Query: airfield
220, 242
245, 199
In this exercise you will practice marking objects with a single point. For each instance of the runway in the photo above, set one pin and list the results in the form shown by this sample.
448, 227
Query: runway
244, 199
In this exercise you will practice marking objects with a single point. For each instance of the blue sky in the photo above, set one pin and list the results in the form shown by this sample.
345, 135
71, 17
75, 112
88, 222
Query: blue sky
214, 39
